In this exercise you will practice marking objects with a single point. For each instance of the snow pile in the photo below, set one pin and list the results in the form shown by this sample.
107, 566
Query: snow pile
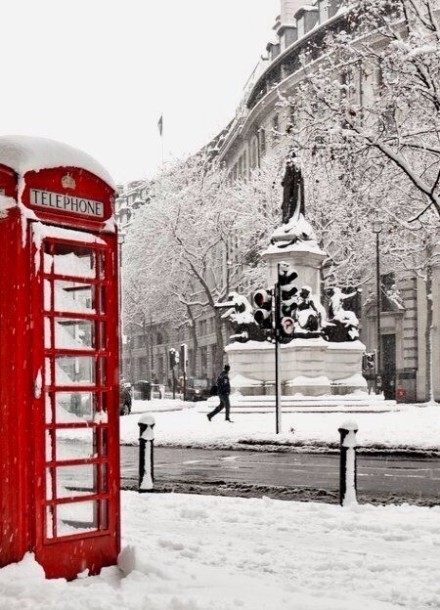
24, 154
210, 553
407, 426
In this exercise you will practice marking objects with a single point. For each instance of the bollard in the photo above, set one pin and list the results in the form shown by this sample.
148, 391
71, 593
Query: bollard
347, 473
146, 463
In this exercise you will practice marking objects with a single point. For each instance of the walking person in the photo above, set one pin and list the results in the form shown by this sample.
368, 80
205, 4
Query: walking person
224, 389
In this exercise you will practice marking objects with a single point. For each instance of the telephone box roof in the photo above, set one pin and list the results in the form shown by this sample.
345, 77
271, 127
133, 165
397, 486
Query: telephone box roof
25, 153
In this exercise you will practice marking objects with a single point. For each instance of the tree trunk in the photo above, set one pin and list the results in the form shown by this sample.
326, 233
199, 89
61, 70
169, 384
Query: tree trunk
148, 339
220, 343
195, 341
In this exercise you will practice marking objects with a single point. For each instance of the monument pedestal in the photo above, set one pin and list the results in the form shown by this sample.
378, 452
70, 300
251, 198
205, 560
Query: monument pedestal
309, 367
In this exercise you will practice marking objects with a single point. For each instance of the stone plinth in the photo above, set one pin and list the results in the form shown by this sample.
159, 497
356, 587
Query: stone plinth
312, 367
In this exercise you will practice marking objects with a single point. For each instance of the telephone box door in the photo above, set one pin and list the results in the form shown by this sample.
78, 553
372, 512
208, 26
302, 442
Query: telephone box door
76, 405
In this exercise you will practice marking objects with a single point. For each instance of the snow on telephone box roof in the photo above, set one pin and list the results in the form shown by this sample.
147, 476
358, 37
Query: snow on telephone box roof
25, 153
56, 182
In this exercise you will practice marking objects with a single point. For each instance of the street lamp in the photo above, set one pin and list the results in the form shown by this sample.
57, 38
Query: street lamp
121, 240
377, 228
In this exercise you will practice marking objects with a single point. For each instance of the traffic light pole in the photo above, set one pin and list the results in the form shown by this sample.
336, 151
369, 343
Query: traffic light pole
277, 324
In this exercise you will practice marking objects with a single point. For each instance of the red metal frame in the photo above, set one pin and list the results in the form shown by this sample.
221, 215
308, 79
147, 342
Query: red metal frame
26, 314
105, 350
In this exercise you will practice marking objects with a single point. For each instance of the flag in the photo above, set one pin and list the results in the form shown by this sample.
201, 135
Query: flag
160, 124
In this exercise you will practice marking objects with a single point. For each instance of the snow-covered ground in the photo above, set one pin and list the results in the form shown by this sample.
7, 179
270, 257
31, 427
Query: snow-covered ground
209, 553
404, 427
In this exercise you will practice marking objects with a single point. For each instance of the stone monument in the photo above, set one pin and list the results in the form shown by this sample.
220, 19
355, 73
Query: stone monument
324, 357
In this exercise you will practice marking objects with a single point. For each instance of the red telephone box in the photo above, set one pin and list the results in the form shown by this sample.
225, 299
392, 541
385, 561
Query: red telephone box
59, 377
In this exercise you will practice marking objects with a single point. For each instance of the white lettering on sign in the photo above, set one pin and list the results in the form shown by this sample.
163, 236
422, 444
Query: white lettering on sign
67, 203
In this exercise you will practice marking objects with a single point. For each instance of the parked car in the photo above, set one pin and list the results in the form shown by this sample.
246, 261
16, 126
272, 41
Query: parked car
197, 389
125, 400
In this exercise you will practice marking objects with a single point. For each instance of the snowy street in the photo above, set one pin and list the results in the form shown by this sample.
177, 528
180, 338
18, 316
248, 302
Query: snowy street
405, 427
185, 552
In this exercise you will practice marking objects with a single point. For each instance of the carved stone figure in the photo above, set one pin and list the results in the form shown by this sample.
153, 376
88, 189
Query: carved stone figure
306, 315
240, 314
342, 325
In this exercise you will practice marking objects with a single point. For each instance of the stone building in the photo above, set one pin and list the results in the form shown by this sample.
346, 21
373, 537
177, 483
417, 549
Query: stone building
254, 130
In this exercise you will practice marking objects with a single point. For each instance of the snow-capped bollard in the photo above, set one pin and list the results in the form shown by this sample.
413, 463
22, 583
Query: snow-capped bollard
146, 462
347, 474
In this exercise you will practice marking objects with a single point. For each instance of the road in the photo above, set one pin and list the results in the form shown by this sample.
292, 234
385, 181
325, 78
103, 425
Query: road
287, 475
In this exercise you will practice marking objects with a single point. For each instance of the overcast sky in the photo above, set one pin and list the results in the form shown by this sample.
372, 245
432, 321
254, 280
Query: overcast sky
98, 74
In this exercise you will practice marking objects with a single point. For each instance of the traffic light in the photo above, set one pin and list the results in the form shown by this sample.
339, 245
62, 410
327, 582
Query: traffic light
263, 313
183, 357
288, 301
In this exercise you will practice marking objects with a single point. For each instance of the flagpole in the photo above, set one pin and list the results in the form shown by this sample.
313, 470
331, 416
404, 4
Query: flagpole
160, 126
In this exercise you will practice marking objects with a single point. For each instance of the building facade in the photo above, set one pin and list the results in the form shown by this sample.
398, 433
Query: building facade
254, 130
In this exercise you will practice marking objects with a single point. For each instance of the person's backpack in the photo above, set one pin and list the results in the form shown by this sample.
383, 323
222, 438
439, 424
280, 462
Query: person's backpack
214, 390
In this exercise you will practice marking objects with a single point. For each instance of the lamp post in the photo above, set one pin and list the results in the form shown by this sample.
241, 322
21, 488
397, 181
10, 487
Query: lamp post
121, 239
377, 228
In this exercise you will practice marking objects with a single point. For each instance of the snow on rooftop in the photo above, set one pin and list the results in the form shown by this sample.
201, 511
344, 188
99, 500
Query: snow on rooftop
25, 153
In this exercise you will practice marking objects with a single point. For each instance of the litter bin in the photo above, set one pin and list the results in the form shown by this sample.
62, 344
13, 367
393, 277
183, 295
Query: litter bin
401, 395
142, 390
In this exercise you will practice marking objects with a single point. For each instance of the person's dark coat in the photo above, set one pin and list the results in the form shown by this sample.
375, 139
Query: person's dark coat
223, 384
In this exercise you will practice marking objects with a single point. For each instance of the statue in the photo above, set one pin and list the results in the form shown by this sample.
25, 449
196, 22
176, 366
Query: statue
306, 316
342, 325
295, 227
240, 315
293, 191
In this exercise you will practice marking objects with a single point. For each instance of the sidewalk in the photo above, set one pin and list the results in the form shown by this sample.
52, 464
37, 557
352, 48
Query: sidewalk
405, 428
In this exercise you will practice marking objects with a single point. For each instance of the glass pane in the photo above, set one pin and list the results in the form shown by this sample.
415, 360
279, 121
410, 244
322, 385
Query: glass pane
73, 296
72, 260
47, 334
76, 480
80, 448
74, 407
72, 370
49, 415
47, 371
74, 334
77, 517
50, 455
47, 295
50, 518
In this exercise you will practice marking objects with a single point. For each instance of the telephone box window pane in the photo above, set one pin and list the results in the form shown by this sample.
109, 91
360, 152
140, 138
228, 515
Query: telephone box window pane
50, 520
76, 480
81, 448
75, 370
47, 371
73, 296
74, 407
49, 413
74, 334
50, 455
47, 334
72, 260
77, 518
72, 518
47, 295
47, 259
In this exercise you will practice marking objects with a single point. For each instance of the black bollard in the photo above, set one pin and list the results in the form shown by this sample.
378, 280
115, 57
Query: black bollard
347, 464
146, 455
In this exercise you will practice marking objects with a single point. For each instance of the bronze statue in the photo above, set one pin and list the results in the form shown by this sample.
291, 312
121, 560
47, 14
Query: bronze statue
293, 191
